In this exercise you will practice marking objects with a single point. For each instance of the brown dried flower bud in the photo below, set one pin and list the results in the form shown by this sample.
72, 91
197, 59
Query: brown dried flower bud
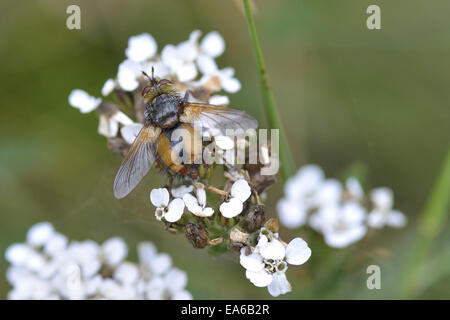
107, 108
254, 218
238, 239
272, 225
196, 235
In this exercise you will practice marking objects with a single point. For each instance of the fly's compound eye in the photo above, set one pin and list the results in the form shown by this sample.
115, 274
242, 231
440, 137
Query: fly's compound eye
145, 90
165, 81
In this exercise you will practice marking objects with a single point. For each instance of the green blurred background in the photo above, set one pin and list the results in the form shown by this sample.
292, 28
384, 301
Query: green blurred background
351, 99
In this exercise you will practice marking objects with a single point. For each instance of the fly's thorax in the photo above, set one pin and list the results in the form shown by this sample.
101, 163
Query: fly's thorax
163, 110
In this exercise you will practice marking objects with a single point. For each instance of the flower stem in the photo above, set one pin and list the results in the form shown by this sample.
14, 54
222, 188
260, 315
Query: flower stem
430, 224
287, 163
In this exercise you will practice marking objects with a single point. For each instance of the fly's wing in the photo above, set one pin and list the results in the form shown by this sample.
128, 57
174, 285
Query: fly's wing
216, 119
137, 162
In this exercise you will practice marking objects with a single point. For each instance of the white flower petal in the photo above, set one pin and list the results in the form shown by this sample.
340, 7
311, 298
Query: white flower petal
354, 188
108, 87
272, 250
353, 212
229, 84
382, 198
291, 213
186, 72
122, 118
206, 64
297, 251
40, 233
224, 142
146, 252
175, 210
130, 132
396, 219
213, 44
159, 197
180, 191
107, 127
219, 100
231, 208
207, 212
187, 51
260, 278
175, 279
141, 47
330, 191
241, 190
341, 239
279, 285
182, 295
127, 75
201, 196
191, 203
126, 273
376, 219
114, 251
169, 56
81, 100
161, 263
56, 244
306, 181
253, 262
17, 254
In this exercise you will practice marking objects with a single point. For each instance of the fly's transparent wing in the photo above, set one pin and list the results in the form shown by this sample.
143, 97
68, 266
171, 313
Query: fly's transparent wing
216, 119
137, 162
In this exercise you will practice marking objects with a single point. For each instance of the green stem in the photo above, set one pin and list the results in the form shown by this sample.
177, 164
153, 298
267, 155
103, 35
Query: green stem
287, 163
430, 224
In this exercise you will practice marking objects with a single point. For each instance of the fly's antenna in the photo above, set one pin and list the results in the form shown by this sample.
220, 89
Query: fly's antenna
145, 74
153, 72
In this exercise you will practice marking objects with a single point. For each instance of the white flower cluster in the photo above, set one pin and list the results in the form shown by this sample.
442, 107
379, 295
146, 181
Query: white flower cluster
267, 262
340, 212
194, 199
190, 64
48, 266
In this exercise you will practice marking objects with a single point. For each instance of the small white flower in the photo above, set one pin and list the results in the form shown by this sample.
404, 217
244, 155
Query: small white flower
141, 47
55, 270
383, 213
267, 263
240, 192
172, 211
108, 87
84, 102
197, 205
129, 132
340, 225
